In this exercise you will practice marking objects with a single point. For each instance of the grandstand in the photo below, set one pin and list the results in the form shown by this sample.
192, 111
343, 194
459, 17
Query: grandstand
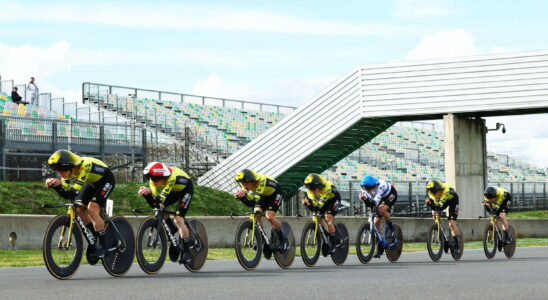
210, 129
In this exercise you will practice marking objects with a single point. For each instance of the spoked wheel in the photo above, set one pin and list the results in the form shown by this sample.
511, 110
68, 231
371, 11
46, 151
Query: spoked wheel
510, 248
365, 243
311, 243
435, 242
151, 246
248, 246
62, 249
285, 259
199, 246
341, 252
118, 262
490, 241
457, 253
393, 253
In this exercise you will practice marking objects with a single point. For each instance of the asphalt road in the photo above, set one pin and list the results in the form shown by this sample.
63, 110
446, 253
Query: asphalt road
415, 276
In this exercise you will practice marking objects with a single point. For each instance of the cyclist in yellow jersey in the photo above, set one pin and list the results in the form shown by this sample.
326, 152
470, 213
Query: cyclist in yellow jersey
497, 200
168, 185
321, 195
265, 195
86, 180
441, 196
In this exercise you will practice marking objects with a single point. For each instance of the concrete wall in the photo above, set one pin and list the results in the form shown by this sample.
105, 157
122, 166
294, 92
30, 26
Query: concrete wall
465, 161
30, 228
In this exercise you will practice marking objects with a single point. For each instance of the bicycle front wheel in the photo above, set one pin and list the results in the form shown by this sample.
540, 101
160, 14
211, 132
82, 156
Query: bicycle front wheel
490, 241
62, 249
365, 243
248, 247
435, 242
311, 244
151, 246
119, 235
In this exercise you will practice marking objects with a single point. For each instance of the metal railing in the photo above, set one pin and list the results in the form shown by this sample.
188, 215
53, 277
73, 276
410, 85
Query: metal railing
101, 92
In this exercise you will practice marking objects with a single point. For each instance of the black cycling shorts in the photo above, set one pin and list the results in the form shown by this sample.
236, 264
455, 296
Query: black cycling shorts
97, 192
271, 202
331, 207
183, 199
390, 199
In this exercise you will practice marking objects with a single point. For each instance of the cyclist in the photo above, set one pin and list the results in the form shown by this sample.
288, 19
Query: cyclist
381, 194
88, 181
168, 185
497, 201
321, 195
440, 196
265, 195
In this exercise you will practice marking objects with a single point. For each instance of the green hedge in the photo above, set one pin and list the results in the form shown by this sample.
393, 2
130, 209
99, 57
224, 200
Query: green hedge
28, 197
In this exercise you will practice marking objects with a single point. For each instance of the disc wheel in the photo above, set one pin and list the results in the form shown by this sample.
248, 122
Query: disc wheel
365, 243
248, 247
393, 253
490, 241
457, 253
199, 246
151, 246
285, 259
118, 262
62, 250
311, 244
435, 242
341, 252
510, 249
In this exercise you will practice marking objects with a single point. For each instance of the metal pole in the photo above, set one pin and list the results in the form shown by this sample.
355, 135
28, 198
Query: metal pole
69, 141
187, 154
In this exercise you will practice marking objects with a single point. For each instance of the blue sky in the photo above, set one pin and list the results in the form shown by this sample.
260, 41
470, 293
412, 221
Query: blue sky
270, 51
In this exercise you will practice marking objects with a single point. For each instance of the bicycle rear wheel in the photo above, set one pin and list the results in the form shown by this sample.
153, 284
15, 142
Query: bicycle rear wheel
458, 254
285, 260
61, 255
248, 247
435, 242
393, 253
365, 243
341, 252
151, 246
311, 243
118, 262
510, 249
490, 241
199, 246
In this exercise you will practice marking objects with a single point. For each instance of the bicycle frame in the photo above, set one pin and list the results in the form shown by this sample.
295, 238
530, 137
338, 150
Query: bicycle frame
74, 217
255, 218
494, 222
381, 241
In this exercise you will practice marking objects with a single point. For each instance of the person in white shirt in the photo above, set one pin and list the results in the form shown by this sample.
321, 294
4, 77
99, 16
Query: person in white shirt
33, 91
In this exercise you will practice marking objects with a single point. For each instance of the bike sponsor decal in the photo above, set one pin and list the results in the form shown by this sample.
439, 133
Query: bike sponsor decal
87, 233
168, 230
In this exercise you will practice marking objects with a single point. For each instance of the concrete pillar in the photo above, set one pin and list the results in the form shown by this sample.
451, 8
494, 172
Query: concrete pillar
466, 161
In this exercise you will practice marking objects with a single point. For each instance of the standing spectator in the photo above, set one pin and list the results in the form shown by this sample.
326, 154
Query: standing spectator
15, 96
33, 91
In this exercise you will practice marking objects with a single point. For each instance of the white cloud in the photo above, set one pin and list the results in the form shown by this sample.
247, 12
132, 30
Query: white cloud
444, 43
24, 61
214, 86
421, 8
178, 16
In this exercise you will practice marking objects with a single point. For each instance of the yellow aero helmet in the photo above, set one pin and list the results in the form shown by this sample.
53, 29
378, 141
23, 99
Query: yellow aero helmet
246, 175
434, 186
313, 181
63, 160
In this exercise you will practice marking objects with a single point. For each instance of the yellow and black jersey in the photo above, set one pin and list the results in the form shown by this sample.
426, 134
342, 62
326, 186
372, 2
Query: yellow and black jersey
176, 182
447, 195
326, 193
90, 170
501, 196
266, 186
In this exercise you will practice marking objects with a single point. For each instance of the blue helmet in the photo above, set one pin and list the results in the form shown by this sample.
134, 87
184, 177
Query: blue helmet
369, 182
